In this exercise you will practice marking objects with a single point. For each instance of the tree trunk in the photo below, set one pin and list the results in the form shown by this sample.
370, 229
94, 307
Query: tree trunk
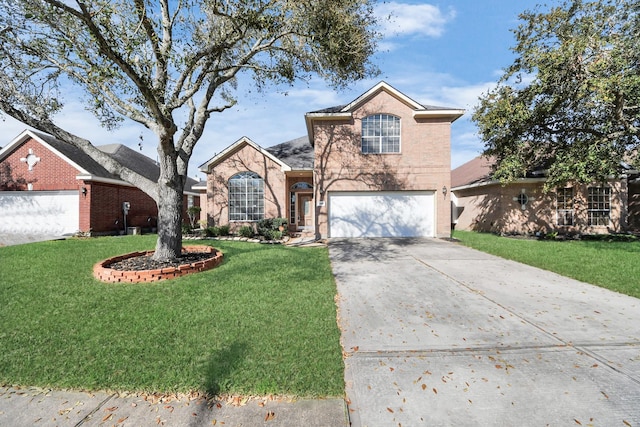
169, 244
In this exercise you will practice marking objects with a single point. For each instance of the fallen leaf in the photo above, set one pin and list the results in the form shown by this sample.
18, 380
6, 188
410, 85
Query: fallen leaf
107, 417
626, 423
214, 422
113, 408
169, 408
498, 366
595, 365
391, 369
390, 410
424, 386
261, 404
270, 415
435, 391
121, 420
604, 394
577, 422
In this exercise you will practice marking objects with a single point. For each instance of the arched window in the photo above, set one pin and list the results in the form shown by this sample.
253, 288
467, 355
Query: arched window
381, 134
246, 197
301, 186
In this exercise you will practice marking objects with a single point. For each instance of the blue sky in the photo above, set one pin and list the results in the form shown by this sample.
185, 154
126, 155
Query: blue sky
440, 53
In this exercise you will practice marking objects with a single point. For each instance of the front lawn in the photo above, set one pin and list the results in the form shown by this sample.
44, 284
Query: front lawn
263, 322
610, 264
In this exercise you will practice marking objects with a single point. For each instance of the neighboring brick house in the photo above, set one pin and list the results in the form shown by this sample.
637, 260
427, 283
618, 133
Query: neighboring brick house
378, 166
51, 187
481, 203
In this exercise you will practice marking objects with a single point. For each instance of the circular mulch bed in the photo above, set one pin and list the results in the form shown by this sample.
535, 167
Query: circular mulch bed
146, 262
139, 267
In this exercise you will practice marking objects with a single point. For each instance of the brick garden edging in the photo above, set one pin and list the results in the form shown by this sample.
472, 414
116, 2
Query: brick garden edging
102, 272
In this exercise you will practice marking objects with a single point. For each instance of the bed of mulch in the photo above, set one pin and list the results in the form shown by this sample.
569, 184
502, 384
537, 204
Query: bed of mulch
146, 262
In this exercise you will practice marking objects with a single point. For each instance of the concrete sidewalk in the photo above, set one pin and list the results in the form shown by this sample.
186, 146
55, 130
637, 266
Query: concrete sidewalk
439, 334
38, 407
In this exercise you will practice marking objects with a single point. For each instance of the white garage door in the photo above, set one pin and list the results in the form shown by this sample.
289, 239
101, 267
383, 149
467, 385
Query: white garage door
52, 213
382, 214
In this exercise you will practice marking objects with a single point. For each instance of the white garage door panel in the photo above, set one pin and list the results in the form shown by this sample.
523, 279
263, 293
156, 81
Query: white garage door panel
39, 212
384, 214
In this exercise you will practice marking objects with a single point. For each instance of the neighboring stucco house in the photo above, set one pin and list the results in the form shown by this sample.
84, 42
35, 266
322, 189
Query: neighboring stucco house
53, 188
379, 166
481, 203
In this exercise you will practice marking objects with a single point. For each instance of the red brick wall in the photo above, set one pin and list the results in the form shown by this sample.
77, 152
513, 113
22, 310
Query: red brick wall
50, 173
102, 207
104, 204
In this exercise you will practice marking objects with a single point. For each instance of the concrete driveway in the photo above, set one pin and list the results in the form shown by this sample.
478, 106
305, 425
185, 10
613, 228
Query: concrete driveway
438, 334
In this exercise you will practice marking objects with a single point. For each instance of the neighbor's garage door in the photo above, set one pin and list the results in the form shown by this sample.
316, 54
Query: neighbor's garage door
39, 212
382, 214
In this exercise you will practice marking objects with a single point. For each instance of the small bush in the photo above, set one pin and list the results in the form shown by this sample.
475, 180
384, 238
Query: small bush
211, 232
246, 231
269, 228
223, 230
273, 235
186, 228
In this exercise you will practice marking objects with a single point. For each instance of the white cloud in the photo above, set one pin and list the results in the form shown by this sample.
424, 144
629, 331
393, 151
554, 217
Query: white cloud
402, 19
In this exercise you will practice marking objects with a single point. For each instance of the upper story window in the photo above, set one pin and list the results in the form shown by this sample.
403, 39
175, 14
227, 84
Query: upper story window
599, 205
246, 197
564, 207
381, 134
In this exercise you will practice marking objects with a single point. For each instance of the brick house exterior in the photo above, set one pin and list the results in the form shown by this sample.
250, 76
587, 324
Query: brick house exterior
378, 166
483, 204
50, 187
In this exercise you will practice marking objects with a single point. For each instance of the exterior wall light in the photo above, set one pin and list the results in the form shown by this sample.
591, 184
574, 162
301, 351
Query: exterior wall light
444, 190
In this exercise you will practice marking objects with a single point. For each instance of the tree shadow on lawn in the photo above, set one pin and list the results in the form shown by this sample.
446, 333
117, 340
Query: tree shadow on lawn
221, 365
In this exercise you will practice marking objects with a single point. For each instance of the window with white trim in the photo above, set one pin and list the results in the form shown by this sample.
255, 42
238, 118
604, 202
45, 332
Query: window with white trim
381, 134
599, 205
564, 206
246, 197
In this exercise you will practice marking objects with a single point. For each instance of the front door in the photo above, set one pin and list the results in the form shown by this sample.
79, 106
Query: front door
304, 210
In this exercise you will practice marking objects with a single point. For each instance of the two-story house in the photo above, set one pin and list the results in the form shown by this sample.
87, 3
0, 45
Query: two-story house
379, 166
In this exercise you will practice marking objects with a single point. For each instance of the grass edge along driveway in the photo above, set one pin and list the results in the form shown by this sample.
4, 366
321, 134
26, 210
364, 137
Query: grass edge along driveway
264, 322
609, 264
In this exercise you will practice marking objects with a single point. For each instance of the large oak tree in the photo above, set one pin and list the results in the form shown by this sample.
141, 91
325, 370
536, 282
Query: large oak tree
570, 102
169, 65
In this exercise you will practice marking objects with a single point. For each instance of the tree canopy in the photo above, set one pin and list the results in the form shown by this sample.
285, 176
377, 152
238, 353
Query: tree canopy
169, 65
570, 102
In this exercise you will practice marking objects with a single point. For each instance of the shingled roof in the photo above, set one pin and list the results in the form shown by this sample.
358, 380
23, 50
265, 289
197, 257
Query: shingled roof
297, 153
475, 171
129, 158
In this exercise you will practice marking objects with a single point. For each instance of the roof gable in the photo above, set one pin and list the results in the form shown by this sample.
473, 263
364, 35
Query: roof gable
66, 152
345, 112
89, 169
235, 147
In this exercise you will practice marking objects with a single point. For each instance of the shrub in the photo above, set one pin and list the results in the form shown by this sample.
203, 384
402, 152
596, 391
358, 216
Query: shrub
273, 235
270, 228
186, 228
211, 232
246, 231
223, 230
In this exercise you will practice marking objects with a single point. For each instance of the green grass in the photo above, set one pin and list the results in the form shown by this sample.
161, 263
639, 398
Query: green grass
610, 264
263, 322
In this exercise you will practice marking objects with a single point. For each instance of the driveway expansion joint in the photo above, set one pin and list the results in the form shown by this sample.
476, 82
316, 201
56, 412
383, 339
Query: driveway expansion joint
96, 409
